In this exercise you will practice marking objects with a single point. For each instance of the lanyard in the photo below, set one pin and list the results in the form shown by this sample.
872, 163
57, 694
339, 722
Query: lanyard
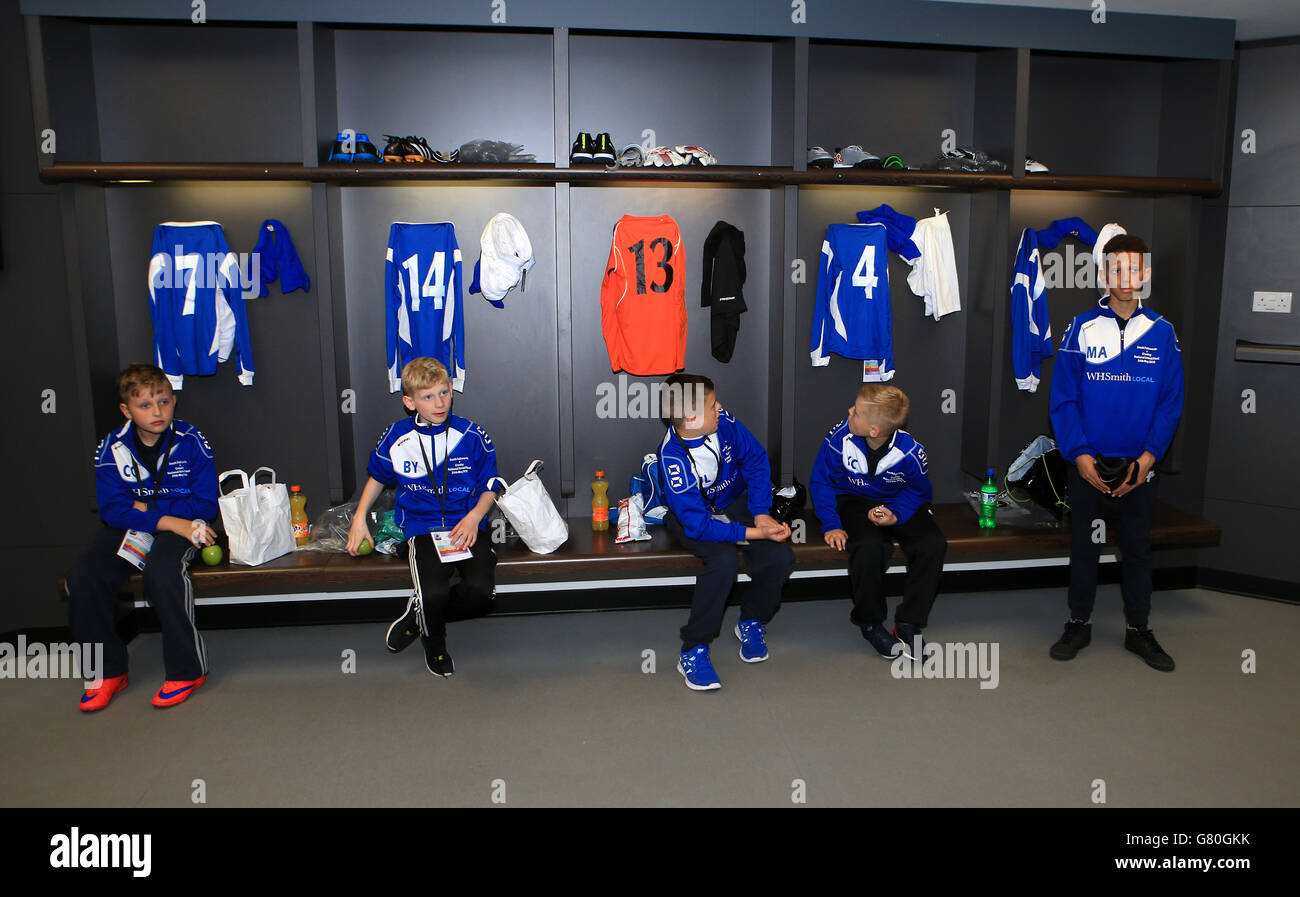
446, 462
162, 463
699, 481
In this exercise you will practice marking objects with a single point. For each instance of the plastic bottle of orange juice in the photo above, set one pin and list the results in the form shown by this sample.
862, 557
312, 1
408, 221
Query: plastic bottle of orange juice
298, 515
600, 502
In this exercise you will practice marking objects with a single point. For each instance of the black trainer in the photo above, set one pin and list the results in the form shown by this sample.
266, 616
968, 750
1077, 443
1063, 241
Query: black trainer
583, 148
1077, 635
910, 638
1142, 642
406, 628
884, 641
603, 149
365, 151
421, 148
396, 149
437, 659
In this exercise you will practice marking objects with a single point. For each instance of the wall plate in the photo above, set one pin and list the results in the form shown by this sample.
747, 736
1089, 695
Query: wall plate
1278, 303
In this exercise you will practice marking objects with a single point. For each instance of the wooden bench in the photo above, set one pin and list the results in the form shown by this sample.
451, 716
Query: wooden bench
592, 558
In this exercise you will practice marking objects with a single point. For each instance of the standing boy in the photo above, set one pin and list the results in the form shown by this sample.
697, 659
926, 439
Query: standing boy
1117, 395
441, 465
870, 485
713, 472
156, 488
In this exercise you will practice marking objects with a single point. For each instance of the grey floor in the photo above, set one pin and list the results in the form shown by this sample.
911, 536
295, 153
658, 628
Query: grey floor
555, 710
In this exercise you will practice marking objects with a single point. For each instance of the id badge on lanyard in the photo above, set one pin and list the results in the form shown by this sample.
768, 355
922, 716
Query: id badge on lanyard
135, 547
136, 543
446, 462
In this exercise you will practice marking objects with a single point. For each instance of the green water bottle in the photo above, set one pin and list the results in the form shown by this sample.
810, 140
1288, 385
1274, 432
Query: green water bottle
989, 502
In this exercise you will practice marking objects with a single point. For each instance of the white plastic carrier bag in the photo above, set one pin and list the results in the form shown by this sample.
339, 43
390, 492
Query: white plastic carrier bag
529, 508
256, 517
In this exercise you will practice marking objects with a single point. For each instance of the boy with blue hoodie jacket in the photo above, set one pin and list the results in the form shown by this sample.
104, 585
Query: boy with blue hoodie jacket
1117, 393
442, 465
713, 472
156, 487
870, 485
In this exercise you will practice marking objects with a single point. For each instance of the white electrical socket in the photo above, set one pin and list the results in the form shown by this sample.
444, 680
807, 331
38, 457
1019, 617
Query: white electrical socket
1279, 303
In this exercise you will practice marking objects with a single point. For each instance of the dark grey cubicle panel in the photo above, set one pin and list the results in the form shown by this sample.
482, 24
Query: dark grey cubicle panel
1095, 117
510, 353
929, 355
617, 445
890, 99
181, 93
1251, 487
686, 91
454, 75
46, 452
1267, 106
279, 420
1251, 478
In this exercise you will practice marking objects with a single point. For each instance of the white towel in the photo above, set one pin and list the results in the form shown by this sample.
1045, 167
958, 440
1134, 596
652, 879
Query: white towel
934, 273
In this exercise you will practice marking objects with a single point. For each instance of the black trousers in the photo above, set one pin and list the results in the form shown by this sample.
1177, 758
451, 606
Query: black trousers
443, 602
769, 566
1131, 515
92, 586
870, 548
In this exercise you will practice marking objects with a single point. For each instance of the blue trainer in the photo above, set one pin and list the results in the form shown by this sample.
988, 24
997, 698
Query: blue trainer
887, 645
697, 669
910, 636
336, 151
753, 647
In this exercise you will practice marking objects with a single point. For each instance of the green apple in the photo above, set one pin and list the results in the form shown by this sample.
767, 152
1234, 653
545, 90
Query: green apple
365, 547
212, 555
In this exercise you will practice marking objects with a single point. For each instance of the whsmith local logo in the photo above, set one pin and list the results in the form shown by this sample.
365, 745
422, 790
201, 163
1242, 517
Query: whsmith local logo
78, 851
57, 661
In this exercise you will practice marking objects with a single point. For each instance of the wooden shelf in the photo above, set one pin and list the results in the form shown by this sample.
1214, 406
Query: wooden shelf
758, 175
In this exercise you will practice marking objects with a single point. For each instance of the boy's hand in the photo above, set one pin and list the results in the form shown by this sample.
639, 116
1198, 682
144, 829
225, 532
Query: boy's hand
767, 523
465, 533
139, 506
772, 532
1145, 462
882, 516
196, 532
1088, 470
836, 538
358, 533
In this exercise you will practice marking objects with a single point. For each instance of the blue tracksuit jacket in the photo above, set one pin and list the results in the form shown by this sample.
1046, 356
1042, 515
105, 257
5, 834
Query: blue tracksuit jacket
901, 482
1117, 393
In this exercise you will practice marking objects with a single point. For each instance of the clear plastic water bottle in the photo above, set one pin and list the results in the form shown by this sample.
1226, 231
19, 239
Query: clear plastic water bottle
989, 501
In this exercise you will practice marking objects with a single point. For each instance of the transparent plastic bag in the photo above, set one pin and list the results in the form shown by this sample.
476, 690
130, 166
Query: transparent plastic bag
330, 532
498, 152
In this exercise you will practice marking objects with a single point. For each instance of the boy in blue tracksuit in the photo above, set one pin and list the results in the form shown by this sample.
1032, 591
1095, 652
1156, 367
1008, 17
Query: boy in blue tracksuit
870, 485
156, 488
713, 473
1117, 393
442, 466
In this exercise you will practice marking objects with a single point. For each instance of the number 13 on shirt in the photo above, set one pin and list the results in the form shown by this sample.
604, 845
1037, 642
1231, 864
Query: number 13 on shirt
642, 297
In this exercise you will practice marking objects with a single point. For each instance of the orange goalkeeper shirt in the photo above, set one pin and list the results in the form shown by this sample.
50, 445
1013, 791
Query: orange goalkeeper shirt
643, 297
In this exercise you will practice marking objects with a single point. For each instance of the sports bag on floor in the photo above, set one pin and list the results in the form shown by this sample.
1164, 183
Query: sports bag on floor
528, 507
1043, 475
256, 518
